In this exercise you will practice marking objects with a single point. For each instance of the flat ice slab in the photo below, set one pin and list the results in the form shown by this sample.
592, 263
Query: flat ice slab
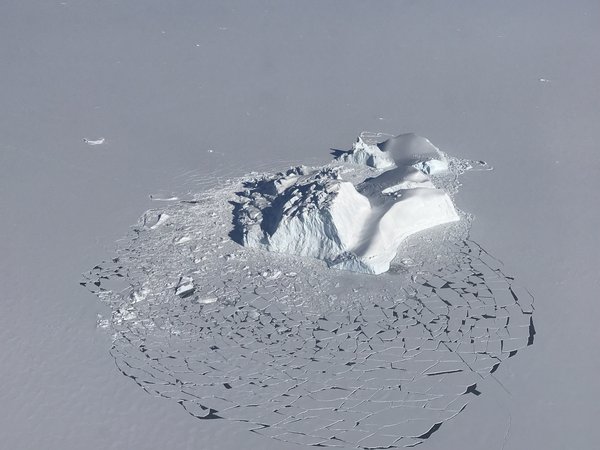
354, 225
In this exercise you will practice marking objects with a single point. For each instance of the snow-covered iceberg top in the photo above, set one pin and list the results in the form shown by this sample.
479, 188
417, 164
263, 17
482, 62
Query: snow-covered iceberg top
353, 213
398, 151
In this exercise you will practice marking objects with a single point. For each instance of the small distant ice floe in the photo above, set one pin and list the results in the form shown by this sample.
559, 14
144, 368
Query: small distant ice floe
353, 225
94, 141
163, 199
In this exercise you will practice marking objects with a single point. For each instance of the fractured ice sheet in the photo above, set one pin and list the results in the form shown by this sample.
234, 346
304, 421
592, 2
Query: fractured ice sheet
300, 352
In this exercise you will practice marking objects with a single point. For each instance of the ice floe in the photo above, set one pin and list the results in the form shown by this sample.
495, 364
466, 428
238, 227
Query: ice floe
94, 141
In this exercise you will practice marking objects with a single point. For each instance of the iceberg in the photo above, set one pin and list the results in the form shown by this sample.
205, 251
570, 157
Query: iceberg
355, 225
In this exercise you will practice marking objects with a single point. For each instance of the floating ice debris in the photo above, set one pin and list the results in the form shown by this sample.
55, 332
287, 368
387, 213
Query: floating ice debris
160, 199
101, 322
301, 353
162, 219
138, 295
94, 141
183, 239
185, 287
353, 226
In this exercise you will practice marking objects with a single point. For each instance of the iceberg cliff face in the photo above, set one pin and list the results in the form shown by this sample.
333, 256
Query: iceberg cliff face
313, 213
357, 227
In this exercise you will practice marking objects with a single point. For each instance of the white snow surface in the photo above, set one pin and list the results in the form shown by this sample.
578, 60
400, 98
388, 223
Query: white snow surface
355, 224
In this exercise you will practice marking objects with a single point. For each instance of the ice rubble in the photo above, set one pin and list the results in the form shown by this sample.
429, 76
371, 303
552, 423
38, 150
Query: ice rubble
303, 354
355, 226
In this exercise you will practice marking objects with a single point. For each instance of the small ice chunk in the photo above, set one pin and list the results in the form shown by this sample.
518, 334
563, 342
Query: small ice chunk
126, 314
272, 274
101, 322
94, 141
162, 219
183, 240
185, 287
138, 295
161, 199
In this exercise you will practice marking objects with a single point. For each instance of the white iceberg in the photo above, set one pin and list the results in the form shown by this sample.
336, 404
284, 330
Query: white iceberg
357, 227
